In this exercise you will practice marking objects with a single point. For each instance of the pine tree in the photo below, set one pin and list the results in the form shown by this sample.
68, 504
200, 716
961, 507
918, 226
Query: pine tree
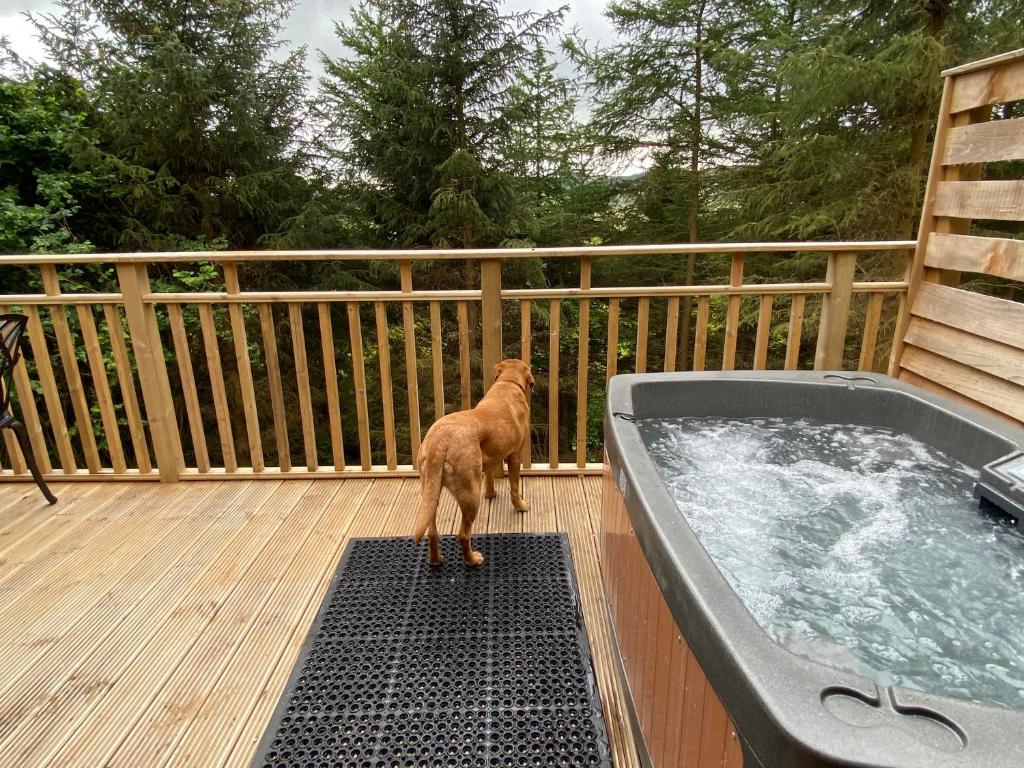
421, 110
858, 89
192, 112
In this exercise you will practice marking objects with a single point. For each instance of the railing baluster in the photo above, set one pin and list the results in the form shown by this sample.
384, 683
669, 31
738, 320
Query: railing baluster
643, 310
126, 381
872, 319
464, 372
764, 327
323, 310
384, 353
612, 360
29, 412
355, 332
220, 400
269, 334
241, 343
525, 338
671, 334
411, 377
700, 340
54, 407
94, 356
553, 380
436, 358
18, 465
188, 386
796, 328
732, 314
69, 361
302, 383
583, 362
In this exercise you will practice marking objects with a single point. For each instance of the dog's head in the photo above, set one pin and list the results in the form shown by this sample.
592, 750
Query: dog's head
516, 371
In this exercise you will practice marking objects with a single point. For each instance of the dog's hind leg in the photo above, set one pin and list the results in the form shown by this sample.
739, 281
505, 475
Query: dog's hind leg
434, 556
469, 503
490, 471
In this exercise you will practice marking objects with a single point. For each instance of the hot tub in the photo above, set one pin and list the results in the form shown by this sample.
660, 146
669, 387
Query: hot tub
710, 682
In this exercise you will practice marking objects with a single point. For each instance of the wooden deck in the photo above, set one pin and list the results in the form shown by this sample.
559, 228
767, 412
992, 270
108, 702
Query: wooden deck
153, 625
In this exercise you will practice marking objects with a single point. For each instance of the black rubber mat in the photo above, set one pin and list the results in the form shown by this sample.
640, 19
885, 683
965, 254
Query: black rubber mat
408, 666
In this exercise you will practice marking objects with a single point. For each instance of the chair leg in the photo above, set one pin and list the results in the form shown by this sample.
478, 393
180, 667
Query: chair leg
30, 459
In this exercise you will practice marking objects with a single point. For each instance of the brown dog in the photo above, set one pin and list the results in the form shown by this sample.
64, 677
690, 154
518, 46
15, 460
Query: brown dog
464, 445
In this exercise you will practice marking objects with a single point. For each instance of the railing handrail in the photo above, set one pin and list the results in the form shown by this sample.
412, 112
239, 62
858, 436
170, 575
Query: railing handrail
440, 254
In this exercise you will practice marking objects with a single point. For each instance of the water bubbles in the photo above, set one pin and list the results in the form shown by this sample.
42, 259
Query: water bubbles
856, 546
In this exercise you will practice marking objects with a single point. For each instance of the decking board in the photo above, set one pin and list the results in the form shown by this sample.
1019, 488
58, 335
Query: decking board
165, 619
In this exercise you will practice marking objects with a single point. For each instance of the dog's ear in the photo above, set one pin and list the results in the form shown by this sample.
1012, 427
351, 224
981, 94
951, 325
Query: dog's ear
498, 369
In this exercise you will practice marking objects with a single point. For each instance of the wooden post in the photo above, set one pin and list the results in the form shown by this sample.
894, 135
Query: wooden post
490, 306
835, 312
149, 357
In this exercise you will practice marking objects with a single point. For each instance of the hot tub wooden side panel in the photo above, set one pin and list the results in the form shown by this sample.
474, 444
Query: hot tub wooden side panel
683, 722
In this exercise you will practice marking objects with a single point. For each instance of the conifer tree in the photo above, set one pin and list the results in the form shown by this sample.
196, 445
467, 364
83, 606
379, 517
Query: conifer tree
193, 112
418, 113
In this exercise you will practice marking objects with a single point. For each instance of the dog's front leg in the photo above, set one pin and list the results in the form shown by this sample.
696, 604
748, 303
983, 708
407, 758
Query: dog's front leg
520, 504
489, 473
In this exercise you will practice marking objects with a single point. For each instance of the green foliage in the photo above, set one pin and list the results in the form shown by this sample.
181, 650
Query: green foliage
193, 112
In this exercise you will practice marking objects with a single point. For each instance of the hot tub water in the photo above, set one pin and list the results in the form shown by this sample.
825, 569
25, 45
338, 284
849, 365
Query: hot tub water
857, 546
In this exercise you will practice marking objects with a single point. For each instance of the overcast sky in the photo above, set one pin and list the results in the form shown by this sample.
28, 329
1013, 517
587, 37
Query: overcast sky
311, 23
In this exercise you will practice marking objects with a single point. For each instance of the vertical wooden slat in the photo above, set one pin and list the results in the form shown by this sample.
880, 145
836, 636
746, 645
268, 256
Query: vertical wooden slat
269, 333
100, 382
29, 414
436, 358
147, 348
732, 314
355, 332
411, 378
384, 353
872, 318
835, 311
700, 341
183, 355
612, 362
220, 400
323, 310
764, 327
54, 407
643, 311
69, 361
240, 340
465, 384
302, 383
796, 328
553, 339
490, 311
671, 334
583, 364
18, 465
526, 336
126, 382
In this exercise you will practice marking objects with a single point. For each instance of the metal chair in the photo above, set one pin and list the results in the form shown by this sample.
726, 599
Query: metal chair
11, 329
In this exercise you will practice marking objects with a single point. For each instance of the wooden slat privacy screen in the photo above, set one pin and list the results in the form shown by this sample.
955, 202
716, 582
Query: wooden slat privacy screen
955, 340
241, 383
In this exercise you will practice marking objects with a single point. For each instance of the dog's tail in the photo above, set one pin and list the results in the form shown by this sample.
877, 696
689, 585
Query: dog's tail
431, 472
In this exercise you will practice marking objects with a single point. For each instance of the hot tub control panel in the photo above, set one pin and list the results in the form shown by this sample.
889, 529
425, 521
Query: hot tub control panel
1002, 483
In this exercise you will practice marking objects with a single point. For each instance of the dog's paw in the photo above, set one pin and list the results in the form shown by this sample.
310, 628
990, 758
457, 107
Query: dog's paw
522, 505
490, 493
474, 558
435, 563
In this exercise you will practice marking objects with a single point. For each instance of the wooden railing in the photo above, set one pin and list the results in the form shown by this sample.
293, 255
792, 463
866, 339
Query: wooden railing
184, 384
